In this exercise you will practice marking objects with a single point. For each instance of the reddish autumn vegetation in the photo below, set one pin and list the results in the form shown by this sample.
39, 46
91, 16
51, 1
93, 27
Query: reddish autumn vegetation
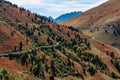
36, 47
101, 22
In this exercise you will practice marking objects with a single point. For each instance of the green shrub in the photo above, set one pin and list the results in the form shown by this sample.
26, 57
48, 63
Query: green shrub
116, 64
113, 75
52, 77
91, 69
4, 71
36, 70
4, 74
1, 76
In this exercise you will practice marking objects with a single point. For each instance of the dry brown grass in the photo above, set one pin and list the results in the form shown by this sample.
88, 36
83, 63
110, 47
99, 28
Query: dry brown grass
11, 65
96, 17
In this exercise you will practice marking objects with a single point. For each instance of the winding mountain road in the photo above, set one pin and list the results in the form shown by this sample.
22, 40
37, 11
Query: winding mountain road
28, 50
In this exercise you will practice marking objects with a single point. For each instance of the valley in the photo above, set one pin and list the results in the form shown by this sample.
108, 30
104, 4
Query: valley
101, 22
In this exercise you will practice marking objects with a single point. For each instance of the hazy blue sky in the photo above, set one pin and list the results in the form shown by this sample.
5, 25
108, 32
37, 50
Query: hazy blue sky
55, 8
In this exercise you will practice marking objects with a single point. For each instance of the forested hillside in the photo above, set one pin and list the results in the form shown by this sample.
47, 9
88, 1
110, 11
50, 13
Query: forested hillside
35, 48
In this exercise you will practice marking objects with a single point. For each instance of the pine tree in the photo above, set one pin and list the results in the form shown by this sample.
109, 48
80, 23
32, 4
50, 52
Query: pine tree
21, 46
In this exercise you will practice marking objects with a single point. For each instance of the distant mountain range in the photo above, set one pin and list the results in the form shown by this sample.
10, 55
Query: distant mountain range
50, 18
106, 16
67, 16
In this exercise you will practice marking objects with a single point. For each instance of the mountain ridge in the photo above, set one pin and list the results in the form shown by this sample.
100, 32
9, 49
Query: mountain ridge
91, 13
101, 22
67, 16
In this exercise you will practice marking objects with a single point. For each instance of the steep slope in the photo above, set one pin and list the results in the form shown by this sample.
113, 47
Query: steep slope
67, 16
96, 17
10, 38
101, 22
42, 49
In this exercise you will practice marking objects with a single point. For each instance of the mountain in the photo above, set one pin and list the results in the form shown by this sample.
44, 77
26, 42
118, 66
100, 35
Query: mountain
101, 22
102, 14
51, 18
32, 47
67, 16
